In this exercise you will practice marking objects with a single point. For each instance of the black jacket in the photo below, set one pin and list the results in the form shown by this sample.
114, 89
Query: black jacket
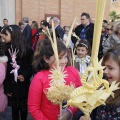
19, 89
88, 31
27, 33
59, 32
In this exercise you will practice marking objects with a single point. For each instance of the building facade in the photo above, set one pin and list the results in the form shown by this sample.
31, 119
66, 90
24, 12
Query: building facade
115, 6
43, 9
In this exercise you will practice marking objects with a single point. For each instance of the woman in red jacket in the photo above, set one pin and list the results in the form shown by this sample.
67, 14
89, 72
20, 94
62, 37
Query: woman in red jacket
39, 106
34, 27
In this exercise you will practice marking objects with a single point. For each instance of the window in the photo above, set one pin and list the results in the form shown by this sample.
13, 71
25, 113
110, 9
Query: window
113, 1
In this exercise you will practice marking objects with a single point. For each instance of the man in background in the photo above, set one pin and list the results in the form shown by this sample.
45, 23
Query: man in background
27, 32
58, 29
5, 22
85, 29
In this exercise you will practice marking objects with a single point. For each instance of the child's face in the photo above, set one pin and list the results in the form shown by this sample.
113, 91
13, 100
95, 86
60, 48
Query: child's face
62, 60
81, 52
7, 37
112, 71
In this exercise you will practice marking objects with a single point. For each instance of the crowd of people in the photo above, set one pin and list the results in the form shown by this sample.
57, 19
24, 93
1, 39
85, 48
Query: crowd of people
27, 56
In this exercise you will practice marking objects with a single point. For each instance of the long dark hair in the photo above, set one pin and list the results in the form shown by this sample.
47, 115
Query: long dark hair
17, 40
2, 47
44, 48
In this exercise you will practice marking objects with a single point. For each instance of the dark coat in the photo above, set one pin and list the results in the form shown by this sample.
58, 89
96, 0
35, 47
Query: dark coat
88, 31
27, 33
59, 32
19, 89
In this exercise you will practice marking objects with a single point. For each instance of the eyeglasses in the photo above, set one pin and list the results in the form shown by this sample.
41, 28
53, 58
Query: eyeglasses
108, 29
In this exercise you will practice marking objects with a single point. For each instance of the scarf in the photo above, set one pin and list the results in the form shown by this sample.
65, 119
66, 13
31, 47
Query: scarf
82, 61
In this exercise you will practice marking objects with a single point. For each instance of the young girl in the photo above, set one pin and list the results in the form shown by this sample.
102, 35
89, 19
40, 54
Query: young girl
3, 65
19, 70
112, 71
82, 59
39, 106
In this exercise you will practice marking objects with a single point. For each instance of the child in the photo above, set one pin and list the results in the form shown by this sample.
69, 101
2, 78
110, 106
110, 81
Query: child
3, 65
39, 106
19, 70
82, 59
112, 71
67, 29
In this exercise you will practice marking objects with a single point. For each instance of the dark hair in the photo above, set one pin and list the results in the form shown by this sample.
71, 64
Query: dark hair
5, 19
45, 23
105, 21
84, 43
2, 47
85, 14
0, 28
44, 48
21, 23
64, 28
42, 21
17, 40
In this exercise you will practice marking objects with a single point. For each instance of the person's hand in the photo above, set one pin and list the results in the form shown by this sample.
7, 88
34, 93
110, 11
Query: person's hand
83, 118
66, 115
21, 78
9, 94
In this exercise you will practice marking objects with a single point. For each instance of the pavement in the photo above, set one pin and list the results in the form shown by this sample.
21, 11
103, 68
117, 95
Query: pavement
7, 115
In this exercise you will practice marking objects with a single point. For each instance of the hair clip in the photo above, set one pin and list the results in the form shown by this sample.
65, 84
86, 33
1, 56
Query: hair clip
84, 45
10, 28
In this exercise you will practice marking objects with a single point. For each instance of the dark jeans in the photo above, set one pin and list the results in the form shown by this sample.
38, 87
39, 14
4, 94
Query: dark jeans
19, 109
79, 113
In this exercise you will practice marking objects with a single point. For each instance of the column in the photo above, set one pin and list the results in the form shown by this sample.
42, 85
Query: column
7, 10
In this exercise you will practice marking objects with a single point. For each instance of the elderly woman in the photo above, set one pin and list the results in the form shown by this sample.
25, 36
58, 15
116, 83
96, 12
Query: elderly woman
114, 38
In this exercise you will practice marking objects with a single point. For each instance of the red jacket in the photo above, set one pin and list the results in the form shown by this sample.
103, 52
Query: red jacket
39, 106
33, 35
